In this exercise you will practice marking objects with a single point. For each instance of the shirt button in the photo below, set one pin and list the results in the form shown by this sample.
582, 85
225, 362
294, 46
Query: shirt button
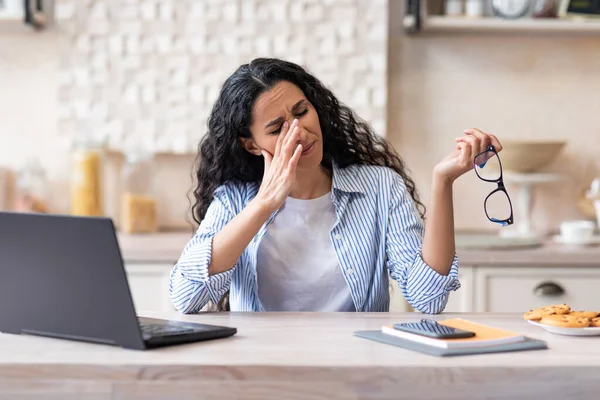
338, 236
350, 271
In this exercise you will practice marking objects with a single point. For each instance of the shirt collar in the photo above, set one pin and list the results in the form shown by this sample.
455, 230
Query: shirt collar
344, 179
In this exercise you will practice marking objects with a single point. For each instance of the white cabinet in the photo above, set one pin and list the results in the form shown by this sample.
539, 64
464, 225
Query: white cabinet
519, 289
483, 289
461, 300
397, 301
149, 285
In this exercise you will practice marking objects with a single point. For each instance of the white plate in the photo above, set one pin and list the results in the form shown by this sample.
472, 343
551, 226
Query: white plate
594, 240
589, 331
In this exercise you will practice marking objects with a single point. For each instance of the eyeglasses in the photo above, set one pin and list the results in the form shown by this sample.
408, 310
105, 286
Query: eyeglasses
497, 205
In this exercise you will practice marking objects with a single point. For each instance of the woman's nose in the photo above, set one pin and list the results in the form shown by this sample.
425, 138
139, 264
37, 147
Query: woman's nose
301, 134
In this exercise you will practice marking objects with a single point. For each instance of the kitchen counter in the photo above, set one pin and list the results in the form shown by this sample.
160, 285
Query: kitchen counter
300, 355
548, 254
166, 248
162, 247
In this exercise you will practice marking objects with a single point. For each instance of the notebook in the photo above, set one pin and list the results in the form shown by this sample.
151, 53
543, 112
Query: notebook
484, 335
524, 345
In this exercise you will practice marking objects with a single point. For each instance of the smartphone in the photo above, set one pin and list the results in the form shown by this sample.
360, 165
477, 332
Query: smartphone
430, 328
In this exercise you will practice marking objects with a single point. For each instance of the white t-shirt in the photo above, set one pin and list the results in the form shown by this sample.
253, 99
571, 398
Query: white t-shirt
297, 266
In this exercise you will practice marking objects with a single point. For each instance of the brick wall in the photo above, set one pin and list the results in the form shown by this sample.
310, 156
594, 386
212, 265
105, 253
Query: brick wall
136, 71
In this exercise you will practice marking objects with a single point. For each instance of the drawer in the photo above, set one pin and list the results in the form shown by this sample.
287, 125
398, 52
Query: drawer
521, 289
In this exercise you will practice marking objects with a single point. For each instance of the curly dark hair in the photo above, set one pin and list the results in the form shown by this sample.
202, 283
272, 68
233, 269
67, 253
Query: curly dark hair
347, 139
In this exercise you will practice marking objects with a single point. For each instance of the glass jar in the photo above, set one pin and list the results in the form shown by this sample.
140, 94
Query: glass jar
138, 205
454, 7
87, 178
474, 8
31, 188
545, 9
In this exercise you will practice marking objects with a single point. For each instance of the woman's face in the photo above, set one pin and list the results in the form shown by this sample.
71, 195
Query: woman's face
285, 102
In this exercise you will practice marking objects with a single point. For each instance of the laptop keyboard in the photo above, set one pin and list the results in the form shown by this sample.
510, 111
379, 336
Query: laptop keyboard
153, 330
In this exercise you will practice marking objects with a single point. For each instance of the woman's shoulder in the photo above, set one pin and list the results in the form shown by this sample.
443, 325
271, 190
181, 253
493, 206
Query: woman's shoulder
237, 193
373, 176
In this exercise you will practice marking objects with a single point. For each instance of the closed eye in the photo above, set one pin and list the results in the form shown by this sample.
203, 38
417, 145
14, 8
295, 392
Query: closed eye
297, 115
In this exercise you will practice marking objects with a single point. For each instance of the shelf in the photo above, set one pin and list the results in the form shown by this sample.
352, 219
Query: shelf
490, 24
12, 25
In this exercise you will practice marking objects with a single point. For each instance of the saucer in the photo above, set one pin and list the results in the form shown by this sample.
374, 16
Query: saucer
588, 331
594, 240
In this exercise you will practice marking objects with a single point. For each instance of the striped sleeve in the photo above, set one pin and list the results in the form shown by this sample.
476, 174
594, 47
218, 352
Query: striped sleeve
190, 286
424, 289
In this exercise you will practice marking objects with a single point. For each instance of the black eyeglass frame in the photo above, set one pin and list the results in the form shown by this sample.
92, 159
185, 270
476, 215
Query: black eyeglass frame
500, 188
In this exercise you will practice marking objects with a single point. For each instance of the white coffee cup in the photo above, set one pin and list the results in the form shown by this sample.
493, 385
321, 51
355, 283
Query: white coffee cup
577, 231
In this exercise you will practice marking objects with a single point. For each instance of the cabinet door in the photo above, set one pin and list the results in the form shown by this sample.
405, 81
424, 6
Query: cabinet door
149, 285
460, 300
514, 289
397, 301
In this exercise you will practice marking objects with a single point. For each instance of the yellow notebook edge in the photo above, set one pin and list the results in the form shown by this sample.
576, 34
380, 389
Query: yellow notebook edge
512, 333
449, 343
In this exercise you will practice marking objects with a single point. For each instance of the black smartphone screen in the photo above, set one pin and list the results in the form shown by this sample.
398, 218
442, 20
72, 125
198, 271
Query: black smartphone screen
432, 329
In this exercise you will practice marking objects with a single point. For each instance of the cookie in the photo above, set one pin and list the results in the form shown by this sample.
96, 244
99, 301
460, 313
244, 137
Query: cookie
536, 315
585, 314
539, 313
565, 321
595, 322
560, 308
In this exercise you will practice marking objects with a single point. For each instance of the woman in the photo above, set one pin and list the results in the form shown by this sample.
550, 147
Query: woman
302, 207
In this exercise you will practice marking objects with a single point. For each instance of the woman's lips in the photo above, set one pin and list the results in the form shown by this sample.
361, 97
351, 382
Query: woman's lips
309, 149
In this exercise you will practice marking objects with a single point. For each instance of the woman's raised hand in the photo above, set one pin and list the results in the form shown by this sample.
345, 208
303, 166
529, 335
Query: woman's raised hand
460, 161
280, 168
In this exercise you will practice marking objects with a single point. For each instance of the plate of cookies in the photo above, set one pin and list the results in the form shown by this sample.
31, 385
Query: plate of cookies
562, 320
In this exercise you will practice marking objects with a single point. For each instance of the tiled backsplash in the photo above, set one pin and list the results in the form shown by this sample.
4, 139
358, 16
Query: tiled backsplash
148, 71
135, 71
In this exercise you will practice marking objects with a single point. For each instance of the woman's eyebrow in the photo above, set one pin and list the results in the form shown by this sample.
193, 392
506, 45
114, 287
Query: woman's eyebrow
274, 122
279, 119
297, 105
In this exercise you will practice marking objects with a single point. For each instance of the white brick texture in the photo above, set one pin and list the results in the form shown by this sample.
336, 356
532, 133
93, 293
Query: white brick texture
153, 68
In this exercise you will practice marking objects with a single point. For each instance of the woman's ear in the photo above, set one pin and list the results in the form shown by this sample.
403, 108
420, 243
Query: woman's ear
250, 146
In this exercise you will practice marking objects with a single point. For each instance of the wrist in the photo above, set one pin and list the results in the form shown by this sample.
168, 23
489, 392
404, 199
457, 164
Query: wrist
439, 179
261, 208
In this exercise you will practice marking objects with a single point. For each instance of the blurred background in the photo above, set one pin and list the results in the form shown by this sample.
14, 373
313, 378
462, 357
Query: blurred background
103, 103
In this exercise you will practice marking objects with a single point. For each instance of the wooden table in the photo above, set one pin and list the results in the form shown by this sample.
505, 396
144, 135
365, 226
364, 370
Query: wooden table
298, 356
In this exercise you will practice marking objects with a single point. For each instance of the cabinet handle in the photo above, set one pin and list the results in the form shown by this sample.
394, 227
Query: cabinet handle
548, 289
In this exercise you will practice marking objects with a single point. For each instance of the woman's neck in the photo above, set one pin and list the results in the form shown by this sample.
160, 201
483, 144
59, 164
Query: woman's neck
311, 184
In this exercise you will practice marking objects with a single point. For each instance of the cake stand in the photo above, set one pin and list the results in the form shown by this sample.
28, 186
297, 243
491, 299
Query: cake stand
523, 201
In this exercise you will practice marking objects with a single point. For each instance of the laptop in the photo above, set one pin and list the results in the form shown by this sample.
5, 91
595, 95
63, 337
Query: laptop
63, 276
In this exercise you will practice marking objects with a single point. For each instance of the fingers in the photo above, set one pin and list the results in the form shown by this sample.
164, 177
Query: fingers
495, 142
482, 141
295, 158
485, 138
290, 143
279, 143
473, 143
466, 155
293, 128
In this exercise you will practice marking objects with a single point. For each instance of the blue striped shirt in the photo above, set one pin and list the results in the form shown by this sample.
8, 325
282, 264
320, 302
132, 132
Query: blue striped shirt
378, 229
